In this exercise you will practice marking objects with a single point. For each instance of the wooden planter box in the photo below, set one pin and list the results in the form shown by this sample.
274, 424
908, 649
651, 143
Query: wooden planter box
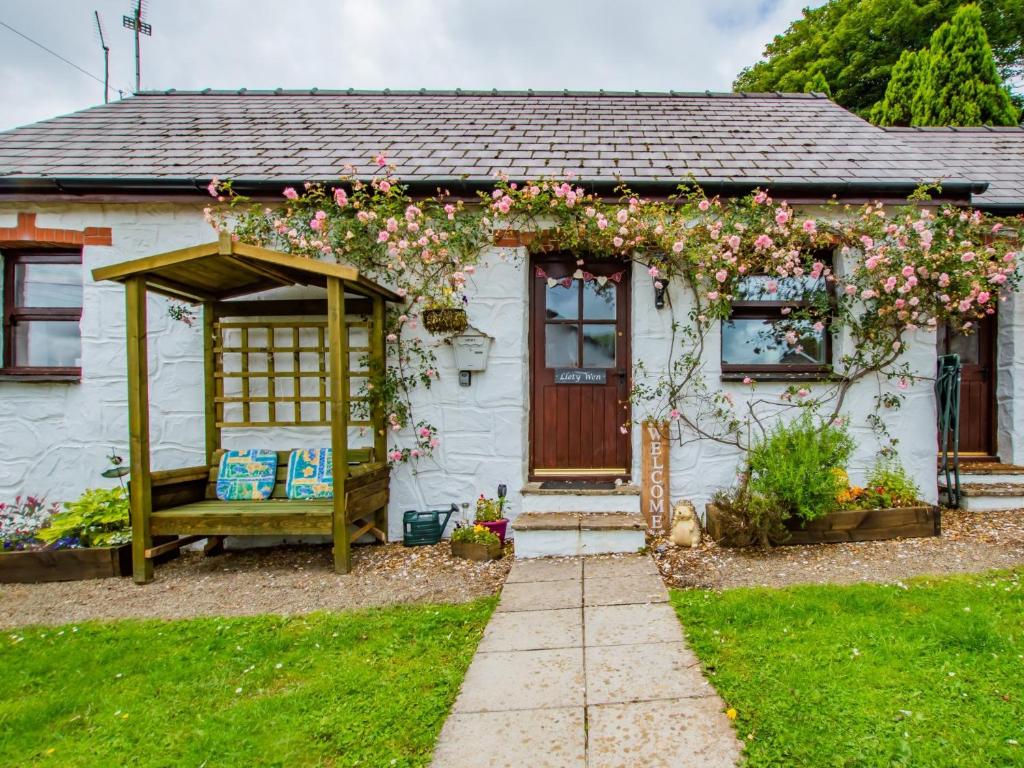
479, 552
851, 525
37, 566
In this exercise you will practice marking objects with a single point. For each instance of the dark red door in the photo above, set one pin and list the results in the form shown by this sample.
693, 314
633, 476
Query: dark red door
579, 336
977, 386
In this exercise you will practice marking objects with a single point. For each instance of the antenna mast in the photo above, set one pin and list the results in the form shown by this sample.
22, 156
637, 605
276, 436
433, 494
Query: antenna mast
106, 59
139, 27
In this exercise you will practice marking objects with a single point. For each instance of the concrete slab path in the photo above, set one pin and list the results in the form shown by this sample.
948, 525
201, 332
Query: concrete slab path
583, 665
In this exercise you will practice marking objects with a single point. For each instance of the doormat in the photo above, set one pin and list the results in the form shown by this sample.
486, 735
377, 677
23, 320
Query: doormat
577, 485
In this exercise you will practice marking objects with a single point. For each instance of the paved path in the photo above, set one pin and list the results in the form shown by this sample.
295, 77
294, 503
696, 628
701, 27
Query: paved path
583, 665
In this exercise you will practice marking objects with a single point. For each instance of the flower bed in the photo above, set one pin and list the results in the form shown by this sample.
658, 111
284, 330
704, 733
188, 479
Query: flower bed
844, 525
40, 565
89, 539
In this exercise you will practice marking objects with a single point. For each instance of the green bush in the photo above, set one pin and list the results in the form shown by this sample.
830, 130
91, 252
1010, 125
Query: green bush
797, 470
98, 519
889, 485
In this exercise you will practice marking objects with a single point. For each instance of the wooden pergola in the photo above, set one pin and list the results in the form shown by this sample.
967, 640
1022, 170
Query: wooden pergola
180, 505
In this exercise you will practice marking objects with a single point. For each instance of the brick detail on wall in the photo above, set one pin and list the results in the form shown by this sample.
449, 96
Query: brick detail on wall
25, 232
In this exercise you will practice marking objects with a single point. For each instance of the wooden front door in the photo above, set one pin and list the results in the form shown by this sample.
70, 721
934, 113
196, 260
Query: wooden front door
579, 341
977, 386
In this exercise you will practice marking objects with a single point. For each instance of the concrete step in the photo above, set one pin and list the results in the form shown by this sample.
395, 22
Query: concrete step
567, 534
624, 498
987, 496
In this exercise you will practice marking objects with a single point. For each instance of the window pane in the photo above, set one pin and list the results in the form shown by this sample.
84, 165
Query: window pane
49, 343
760, 341
968, 347
563, 303
598, 346
598, 301
768, 288
561, 345
47, 285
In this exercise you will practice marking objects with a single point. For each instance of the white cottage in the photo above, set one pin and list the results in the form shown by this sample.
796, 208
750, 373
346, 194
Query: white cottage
128, 179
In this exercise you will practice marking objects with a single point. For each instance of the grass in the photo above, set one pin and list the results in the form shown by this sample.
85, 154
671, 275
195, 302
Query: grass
355, 689
925, 674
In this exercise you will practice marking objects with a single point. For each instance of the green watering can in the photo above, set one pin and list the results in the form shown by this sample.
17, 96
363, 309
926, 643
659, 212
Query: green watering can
425, 527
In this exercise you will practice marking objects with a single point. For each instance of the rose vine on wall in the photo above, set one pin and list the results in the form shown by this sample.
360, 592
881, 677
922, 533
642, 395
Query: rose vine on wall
895, 271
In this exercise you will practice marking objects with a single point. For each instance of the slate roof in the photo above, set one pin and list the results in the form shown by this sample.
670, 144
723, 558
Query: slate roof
287, 136
993, 154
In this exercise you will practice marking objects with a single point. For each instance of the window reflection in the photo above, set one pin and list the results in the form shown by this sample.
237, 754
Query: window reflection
561, 302
763, 341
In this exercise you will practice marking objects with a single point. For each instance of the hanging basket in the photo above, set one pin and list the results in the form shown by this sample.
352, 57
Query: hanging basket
448, 320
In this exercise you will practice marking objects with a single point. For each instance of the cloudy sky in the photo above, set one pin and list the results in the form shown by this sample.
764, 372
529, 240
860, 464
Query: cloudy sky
541, 44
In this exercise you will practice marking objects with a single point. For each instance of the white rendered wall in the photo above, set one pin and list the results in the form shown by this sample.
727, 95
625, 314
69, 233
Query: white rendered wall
55, 437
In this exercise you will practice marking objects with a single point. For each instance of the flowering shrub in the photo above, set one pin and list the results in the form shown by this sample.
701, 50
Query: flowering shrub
888, 485
21, 522
899, 270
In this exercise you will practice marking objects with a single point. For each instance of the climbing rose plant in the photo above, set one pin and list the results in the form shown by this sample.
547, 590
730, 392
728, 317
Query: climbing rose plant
896, 271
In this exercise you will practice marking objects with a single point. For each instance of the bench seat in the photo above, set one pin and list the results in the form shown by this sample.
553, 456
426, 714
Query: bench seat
245, 518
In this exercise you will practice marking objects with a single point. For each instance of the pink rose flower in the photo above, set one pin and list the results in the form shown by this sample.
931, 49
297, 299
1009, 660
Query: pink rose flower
983, 297
703, 205
734, 242
810, 227
653, 271
747, 380
721, 275
290, 193
781, 217
381, 160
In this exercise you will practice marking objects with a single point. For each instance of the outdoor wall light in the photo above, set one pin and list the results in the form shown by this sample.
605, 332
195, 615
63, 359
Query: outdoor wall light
659, 294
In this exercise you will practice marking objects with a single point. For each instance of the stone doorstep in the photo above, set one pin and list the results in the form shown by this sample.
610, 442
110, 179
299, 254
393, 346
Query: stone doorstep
577, 521
991, 489
534, 489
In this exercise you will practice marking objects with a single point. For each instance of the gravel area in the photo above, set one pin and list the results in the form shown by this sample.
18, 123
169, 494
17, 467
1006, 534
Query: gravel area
283, 580
970, 542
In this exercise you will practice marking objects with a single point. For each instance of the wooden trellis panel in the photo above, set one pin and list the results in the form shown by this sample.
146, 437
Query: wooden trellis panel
275, 373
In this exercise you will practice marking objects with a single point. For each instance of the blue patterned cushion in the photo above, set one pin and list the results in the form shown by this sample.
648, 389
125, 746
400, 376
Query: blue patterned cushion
310, 474
248, 475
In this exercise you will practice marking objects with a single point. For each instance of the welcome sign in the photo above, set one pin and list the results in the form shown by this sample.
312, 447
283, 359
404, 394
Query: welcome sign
654, 486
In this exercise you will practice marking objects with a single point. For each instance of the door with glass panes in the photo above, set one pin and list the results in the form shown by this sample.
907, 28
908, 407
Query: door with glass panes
579, 334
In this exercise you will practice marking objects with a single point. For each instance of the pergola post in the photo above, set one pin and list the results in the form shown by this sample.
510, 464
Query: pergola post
379, 363
211, 430
138, 427
338, 365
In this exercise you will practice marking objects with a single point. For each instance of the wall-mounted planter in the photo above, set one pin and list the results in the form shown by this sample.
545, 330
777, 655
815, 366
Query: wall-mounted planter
479, 552
850, 525
36, 566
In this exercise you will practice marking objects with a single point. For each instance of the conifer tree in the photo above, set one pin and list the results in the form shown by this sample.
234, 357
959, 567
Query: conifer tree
960, 84
896, 107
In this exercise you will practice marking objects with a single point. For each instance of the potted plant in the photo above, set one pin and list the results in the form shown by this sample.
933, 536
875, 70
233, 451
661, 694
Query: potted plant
490, 513
475, 543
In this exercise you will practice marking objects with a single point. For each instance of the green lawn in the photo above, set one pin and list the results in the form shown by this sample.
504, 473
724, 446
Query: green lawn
931, 674
357, 689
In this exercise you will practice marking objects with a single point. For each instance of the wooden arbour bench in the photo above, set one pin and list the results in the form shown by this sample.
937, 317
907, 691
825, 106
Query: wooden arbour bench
295, 369
185, 503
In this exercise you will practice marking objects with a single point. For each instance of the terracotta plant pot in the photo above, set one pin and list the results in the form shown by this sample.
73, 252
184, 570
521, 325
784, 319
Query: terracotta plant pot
497, 527
448, 320
479, 552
